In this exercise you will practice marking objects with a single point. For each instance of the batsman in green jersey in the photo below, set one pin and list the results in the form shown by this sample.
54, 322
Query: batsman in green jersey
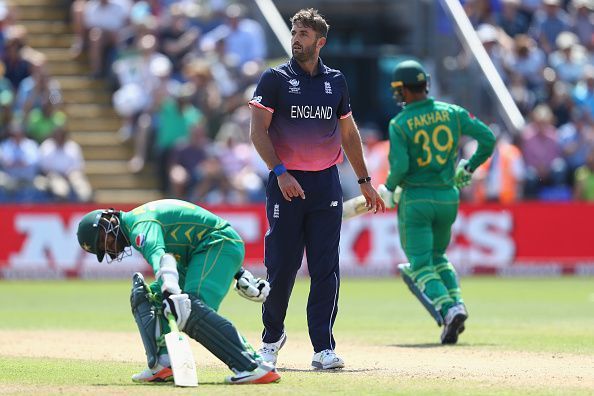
424, 181
195, 256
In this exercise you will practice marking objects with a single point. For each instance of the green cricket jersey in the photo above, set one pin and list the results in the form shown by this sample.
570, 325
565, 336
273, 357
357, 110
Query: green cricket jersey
424, 139
176, 227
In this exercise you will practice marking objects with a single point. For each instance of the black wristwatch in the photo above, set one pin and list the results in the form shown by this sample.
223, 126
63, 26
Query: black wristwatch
366, 179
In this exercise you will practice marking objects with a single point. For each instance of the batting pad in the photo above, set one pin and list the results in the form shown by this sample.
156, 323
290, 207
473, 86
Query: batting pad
412, 286
145, 317
219, 336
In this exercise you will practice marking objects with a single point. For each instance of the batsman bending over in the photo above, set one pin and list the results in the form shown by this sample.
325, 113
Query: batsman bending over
190, 247
423, 177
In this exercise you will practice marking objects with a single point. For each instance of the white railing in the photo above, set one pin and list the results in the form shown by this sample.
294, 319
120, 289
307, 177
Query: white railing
277, 24
467, 35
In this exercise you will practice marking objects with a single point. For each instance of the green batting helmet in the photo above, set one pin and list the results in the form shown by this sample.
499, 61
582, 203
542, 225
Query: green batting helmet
406, 74
88, 233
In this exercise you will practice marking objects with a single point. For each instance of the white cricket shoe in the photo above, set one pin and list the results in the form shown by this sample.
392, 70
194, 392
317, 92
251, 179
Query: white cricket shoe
158, 374
269, 351
453, 324
326, 359
265, 373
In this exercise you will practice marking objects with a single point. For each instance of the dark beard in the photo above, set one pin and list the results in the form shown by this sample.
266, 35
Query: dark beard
306, 54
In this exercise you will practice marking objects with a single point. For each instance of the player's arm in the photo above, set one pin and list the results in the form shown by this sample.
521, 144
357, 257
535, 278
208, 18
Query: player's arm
353, 148
397, 157
147, 238
476, 129
259, 124
262, 105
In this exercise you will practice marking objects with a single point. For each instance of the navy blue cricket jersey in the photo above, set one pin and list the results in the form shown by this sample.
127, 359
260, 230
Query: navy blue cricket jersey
304, 128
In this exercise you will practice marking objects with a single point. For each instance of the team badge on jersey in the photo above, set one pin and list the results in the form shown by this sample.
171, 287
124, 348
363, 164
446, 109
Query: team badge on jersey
140, 240
294, 88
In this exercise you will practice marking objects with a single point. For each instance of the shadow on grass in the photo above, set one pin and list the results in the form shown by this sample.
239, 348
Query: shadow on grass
328, 371
428, 345
156, 384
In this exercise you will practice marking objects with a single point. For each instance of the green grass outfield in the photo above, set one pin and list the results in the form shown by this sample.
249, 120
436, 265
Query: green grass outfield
537, 319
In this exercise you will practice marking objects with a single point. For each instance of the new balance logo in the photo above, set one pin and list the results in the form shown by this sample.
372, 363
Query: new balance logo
276, 211
334, 203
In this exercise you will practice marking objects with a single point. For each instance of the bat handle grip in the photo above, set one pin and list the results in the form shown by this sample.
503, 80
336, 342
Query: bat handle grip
172, 322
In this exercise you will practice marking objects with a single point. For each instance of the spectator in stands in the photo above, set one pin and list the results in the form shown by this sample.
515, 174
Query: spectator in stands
490, 37
62, 163
243, 37
583, 94
19, 166
548, 23
143, 9
139, 73
6, 102
542, 154
77, 10
104, 19
582, 20
528, 61
36, 88
242, 167
511, 20
523, 97
17, 67
207, 96
178, 38
569, 59
577, 139
584, 180
560, 102
501, 177
480, 12
42, 121
175, 114
5, 19
187, 158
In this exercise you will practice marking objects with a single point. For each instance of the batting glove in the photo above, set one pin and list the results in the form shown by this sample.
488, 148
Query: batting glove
179, 305
253, 289
463, 176
391, 198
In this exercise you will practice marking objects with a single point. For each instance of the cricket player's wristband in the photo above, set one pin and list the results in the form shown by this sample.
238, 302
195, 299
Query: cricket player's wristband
279, 169
364, 180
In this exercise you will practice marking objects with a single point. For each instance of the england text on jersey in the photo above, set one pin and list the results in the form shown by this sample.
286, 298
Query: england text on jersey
320, 112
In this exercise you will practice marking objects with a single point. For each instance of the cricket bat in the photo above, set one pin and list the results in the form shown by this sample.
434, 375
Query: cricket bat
180, 355
353, 207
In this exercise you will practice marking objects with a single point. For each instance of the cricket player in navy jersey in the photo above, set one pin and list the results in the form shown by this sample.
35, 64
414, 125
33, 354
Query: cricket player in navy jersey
301, 123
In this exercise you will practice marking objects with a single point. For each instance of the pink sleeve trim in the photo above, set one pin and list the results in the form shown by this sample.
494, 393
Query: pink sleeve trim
254, 103
346, 115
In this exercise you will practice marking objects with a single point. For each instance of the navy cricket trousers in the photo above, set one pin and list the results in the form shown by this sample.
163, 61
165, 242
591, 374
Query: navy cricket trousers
313, 225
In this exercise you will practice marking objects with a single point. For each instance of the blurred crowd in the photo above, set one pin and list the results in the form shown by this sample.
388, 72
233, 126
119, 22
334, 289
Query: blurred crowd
182, 74
38, 160
182, 71
543, 51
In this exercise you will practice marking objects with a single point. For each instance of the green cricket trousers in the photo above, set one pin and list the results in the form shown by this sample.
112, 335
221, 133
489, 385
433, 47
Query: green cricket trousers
425, 218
